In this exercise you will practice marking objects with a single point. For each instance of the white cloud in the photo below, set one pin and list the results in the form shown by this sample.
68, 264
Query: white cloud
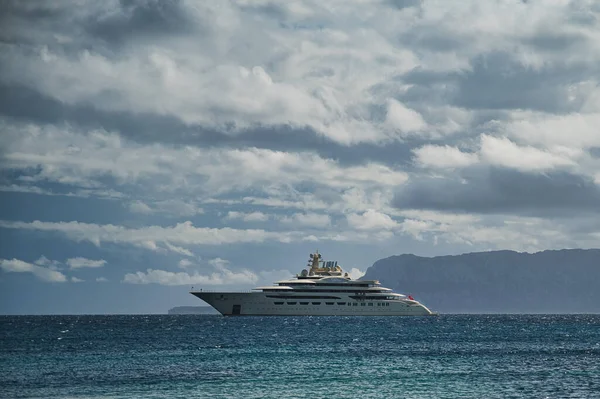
371, 220
162, 277
59, 152
149, 237
76, 280
171, 207
440, 217
139, 207
443, 157
178, 250
356, 72
416, 228
79, 262
184, 263
355, 273
256, 67
218, 263
503, 152
51, 264
575, 130
494, 231
404, 119
19, 266
101, 280
178, 208
247, 216
314, 220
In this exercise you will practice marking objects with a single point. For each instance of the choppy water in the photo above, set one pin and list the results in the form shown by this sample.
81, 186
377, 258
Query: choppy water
477, 356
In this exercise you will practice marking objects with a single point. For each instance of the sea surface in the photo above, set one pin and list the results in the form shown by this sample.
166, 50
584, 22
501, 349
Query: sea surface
197, 356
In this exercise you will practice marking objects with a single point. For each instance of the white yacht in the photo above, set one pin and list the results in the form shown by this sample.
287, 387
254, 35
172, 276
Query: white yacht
322, 290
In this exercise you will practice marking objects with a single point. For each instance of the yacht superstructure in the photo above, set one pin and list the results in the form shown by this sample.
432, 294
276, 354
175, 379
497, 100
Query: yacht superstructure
321, 290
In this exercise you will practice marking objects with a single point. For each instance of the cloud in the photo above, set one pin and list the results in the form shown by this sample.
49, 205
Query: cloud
101, 280
371, 220
149, 237
162, 277
51, 264
472, 123
139, 207
76, 280
355, 273
301, 64
19, 266
504, 191
141, 20
184, 263
314, 220
404, 119
218, 263
79, 262
503, 152
170, 207
443, 157
49, 154
247, 217
574, 130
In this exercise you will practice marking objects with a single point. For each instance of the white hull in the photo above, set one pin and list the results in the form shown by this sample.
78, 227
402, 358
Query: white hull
263, 304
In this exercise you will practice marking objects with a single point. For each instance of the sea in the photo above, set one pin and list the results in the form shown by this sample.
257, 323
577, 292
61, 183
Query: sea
206, 356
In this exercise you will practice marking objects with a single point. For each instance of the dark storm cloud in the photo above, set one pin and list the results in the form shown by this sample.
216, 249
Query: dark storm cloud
431, 38
29, 22
499, 82
401, 4
151, 18
103, 28
556, 42
33, 11
498, 190
270, 9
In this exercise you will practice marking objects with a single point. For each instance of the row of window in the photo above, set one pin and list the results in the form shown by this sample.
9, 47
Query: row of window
374, 297
328, 284
333, 303
315, 290
303, 297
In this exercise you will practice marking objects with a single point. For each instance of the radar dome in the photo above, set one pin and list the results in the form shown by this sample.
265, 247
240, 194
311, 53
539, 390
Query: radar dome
304, 273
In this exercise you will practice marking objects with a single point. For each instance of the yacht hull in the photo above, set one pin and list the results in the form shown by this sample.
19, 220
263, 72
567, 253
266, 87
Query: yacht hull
332, 304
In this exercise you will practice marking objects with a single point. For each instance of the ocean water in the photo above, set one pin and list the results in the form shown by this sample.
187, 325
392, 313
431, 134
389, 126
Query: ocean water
450, 356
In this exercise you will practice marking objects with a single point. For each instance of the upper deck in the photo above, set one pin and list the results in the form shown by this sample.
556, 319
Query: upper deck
324, 275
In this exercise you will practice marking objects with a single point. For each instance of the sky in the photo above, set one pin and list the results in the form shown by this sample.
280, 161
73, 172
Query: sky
150, 146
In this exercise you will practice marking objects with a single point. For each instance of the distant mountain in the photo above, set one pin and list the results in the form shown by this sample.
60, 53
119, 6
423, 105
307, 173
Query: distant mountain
193, 310
564, 281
